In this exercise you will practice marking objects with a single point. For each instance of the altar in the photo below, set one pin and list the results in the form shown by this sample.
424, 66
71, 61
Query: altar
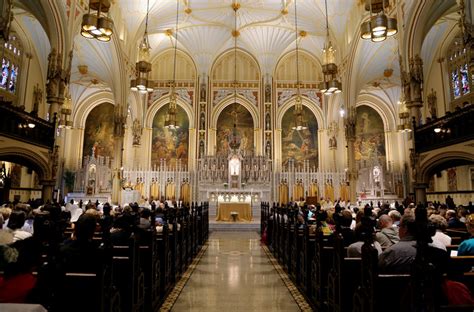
226, 209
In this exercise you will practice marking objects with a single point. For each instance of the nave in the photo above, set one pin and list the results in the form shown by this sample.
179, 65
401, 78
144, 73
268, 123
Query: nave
235, 274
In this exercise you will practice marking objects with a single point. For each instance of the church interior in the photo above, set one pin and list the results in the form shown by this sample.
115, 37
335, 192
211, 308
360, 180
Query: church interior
182, 155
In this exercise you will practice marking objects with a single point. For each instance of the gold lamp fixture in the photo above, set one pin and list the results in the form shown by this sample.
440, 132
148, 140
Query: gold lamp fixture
330, 84
143, 66
379, 26
171, 120
300, 121
98, 25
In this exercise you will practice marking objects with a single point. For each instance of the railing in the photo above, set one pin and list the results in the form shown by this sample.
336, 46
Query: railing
451, 129
22, 126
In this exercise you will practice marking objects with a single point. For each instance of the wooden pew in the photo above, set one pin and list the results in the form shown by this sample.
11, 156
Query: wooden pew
128, 276
102, 295
306, 259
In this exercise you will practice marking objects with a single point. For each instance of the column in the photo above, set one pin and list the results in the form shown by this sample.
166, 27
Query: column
350, 131
119, 131
47, 190
420, 192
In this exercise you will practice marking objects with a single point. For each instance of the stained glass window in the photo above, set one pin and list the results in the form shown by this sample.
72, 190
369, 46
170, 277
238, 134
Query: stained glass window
465, 79
5, 73
459, 70
13, 76
11, 64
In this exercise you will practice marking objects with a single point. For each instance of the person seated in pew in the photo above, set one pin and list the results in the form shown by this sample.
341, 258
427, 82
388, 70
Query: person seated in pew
345, 221
440, 224
396, 216
466, 248
80, 252
15, 223
121, 230
398, 258
388, 235
145, 219
355, 249
453, 221
18, 262
159, 225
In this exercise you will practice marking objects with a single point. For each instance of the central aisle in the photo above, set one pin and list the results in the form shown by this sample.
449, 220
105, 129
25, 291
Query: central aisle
235, 275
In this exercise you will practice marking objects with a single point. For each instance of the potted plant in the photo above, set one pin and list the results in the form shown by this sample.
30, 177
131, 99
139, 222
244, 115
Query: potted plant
226, 185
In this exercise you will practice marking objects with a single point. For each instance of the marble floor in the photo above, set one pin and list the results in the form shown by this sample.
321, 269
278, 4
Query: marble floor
235, 274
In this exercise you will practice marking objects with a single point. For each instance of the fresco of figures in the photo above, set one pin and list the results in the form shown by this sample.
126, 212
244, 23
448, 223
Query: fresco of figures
170, 145
99, 132
299, 145
370, 137
244, 126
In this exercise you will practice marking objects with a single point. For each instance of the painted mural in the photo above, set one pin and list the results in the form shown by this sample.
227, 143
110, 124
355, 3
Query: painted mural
244, 126
170, 145
370, 137
99, 132
299, 145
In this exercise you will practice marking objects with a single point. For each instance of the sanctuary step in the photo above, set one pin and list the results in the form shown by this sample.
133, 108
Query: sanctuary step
234, 226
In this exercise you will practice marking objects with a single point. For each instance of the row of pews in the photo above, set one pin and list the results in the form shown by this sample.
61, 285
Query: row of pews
133, 277
318, 265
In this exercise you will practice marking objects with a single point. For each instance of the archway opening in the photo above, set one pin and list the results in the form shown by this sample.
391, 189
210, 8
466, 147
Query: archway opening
171, 146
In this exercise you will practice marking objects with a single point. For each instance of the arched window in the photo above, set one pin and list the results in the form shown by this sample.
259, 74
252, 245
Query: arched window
458, 65
11, 62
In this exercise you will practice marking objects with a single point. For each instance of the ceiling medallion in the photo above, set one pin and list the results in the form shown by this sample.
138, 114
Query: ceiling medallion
388, 72
303, 33
235, 6
235, 33
188, 10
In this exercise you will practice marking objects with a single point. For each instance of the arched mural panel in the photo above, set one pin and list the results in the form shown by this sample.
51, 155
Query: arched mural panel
170, 145
299, 145
370, 137
99, 131
244, 126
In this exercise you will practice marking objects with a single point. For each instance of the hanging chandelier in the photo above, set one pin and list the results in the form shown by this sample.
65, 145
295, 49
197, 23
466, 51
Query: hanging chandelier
300, 121
143, 66
379, 26
171, 121
330, 84
234, 136
98, 25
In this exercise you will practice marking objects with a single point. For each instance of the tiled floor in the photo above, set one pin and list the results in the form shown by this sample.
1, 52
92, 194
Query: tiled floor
235, 275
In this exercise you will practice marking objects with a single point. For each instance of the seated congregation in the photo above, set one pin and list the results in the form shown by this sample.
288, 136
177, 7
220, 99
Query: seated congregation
384, 258
97, 258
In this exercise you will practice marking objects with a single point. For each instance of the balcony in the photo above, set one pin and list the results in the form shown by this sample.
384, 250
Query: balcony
25, 127
453, 128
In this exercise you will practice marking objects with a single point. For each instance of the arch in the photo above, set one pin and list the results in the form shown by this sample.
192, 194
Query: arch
229, 100
229, 55
99, 131
381, 107
311, 105
164, 100
171, 145
83, 108
162, 65
425, 14
313, 66
28, 158
431, 164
